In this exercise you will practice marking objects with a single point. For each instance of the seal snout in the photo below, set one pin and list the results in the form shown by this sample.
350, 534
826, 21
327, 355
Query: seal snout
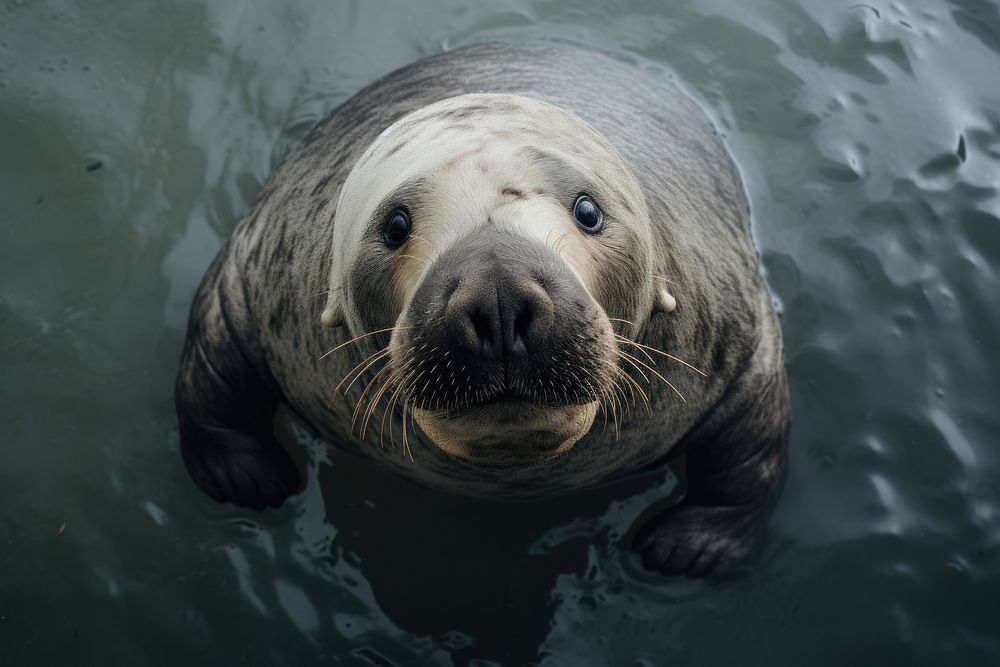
501, 318
507, 351
496, 314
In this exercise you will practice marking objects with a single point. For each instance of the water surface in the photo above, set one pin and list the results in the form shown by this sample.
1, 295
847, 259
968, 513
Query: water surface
134, 134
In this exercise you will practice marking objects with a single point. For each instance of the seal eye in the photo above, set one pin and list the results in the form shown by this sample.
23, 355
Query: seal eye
588, 215
397, 228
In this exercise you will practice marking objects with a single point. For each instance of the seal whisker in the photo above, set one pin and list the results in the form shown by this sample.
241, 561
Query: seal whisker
373, 405
374, 357
435, 252
638, 387
413, 383
370, 360
396, 394
666, 280
620, 373
614, 414
602, 394
414, 235
387, 414
406, 442
558, 244
625, 339
613, 393
323, 293
357, 338
361, 399
374, 401
654, 372
422, 260
617, 374
604, 413
629, 358
373, 383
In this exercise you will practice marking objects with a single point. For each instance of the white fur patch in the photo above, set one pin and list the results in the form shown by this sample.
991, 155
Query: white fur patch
472, 156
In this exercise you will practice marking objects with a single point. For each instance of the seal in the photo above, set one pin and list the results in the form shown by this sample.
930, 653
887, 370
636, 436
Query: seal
513, 270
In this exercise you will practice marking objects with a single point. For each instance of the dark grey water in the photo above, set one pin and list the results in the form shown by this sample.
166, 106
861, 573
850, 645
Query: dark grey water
134, 134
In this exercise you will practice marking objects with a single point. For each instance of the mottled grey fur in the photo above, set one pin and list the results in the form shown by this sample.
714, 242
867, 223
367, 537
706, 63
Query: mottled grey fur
255, 335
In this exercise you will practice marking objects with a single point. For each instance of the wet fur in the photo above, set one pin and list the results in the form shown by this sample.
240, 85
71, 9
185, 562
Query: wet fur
254, 336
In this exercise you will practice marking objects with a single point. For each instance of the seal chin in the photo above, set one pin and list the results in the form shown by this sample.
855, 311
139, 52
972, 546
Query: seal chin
507, 434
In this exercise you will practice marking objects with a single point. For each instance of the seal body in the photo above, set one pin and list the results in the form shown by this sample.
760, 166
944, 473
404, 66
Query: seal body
502, 349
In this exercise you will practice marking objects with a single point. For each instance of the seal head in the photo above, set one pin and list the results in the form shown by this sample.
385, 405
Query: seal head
500, 238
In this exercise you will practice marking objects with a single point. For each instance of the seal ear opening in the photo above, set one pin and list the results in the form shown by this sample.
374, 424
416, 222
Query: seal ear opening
332, 315
665, 301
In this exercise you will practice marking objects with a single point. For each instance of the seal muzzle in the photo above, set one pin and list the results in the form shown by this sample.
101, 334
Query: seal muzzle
506, 351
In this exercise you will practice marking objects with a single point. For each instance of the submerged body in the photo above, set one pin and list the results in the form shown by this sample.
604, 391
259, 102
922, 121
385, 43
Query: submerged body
583, 364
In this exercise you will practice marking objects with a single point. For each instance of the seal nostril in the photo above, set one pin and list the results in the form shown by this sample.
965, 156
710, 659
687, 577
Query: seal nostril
483, 326
471, 315
522, 327
526, 315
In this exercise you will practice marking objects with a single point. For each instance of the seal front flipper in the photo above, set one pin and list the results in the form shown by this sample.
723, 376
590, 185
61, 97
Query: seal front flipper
734, 481
225, 407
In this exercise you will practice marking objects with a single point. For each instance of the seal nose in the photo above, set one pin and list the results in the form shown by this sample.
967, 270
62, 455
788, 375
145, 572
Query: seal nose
495, 315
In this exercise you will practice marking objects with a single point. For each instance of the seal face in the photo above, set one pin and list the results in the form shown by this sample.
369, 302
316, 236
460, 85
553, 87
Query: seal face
497, 295
482, 256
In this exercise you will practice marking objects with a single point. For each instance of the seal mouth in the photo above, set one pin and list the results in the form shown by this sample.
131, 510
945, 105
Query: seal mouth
504, 407
507, 432
501, 410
